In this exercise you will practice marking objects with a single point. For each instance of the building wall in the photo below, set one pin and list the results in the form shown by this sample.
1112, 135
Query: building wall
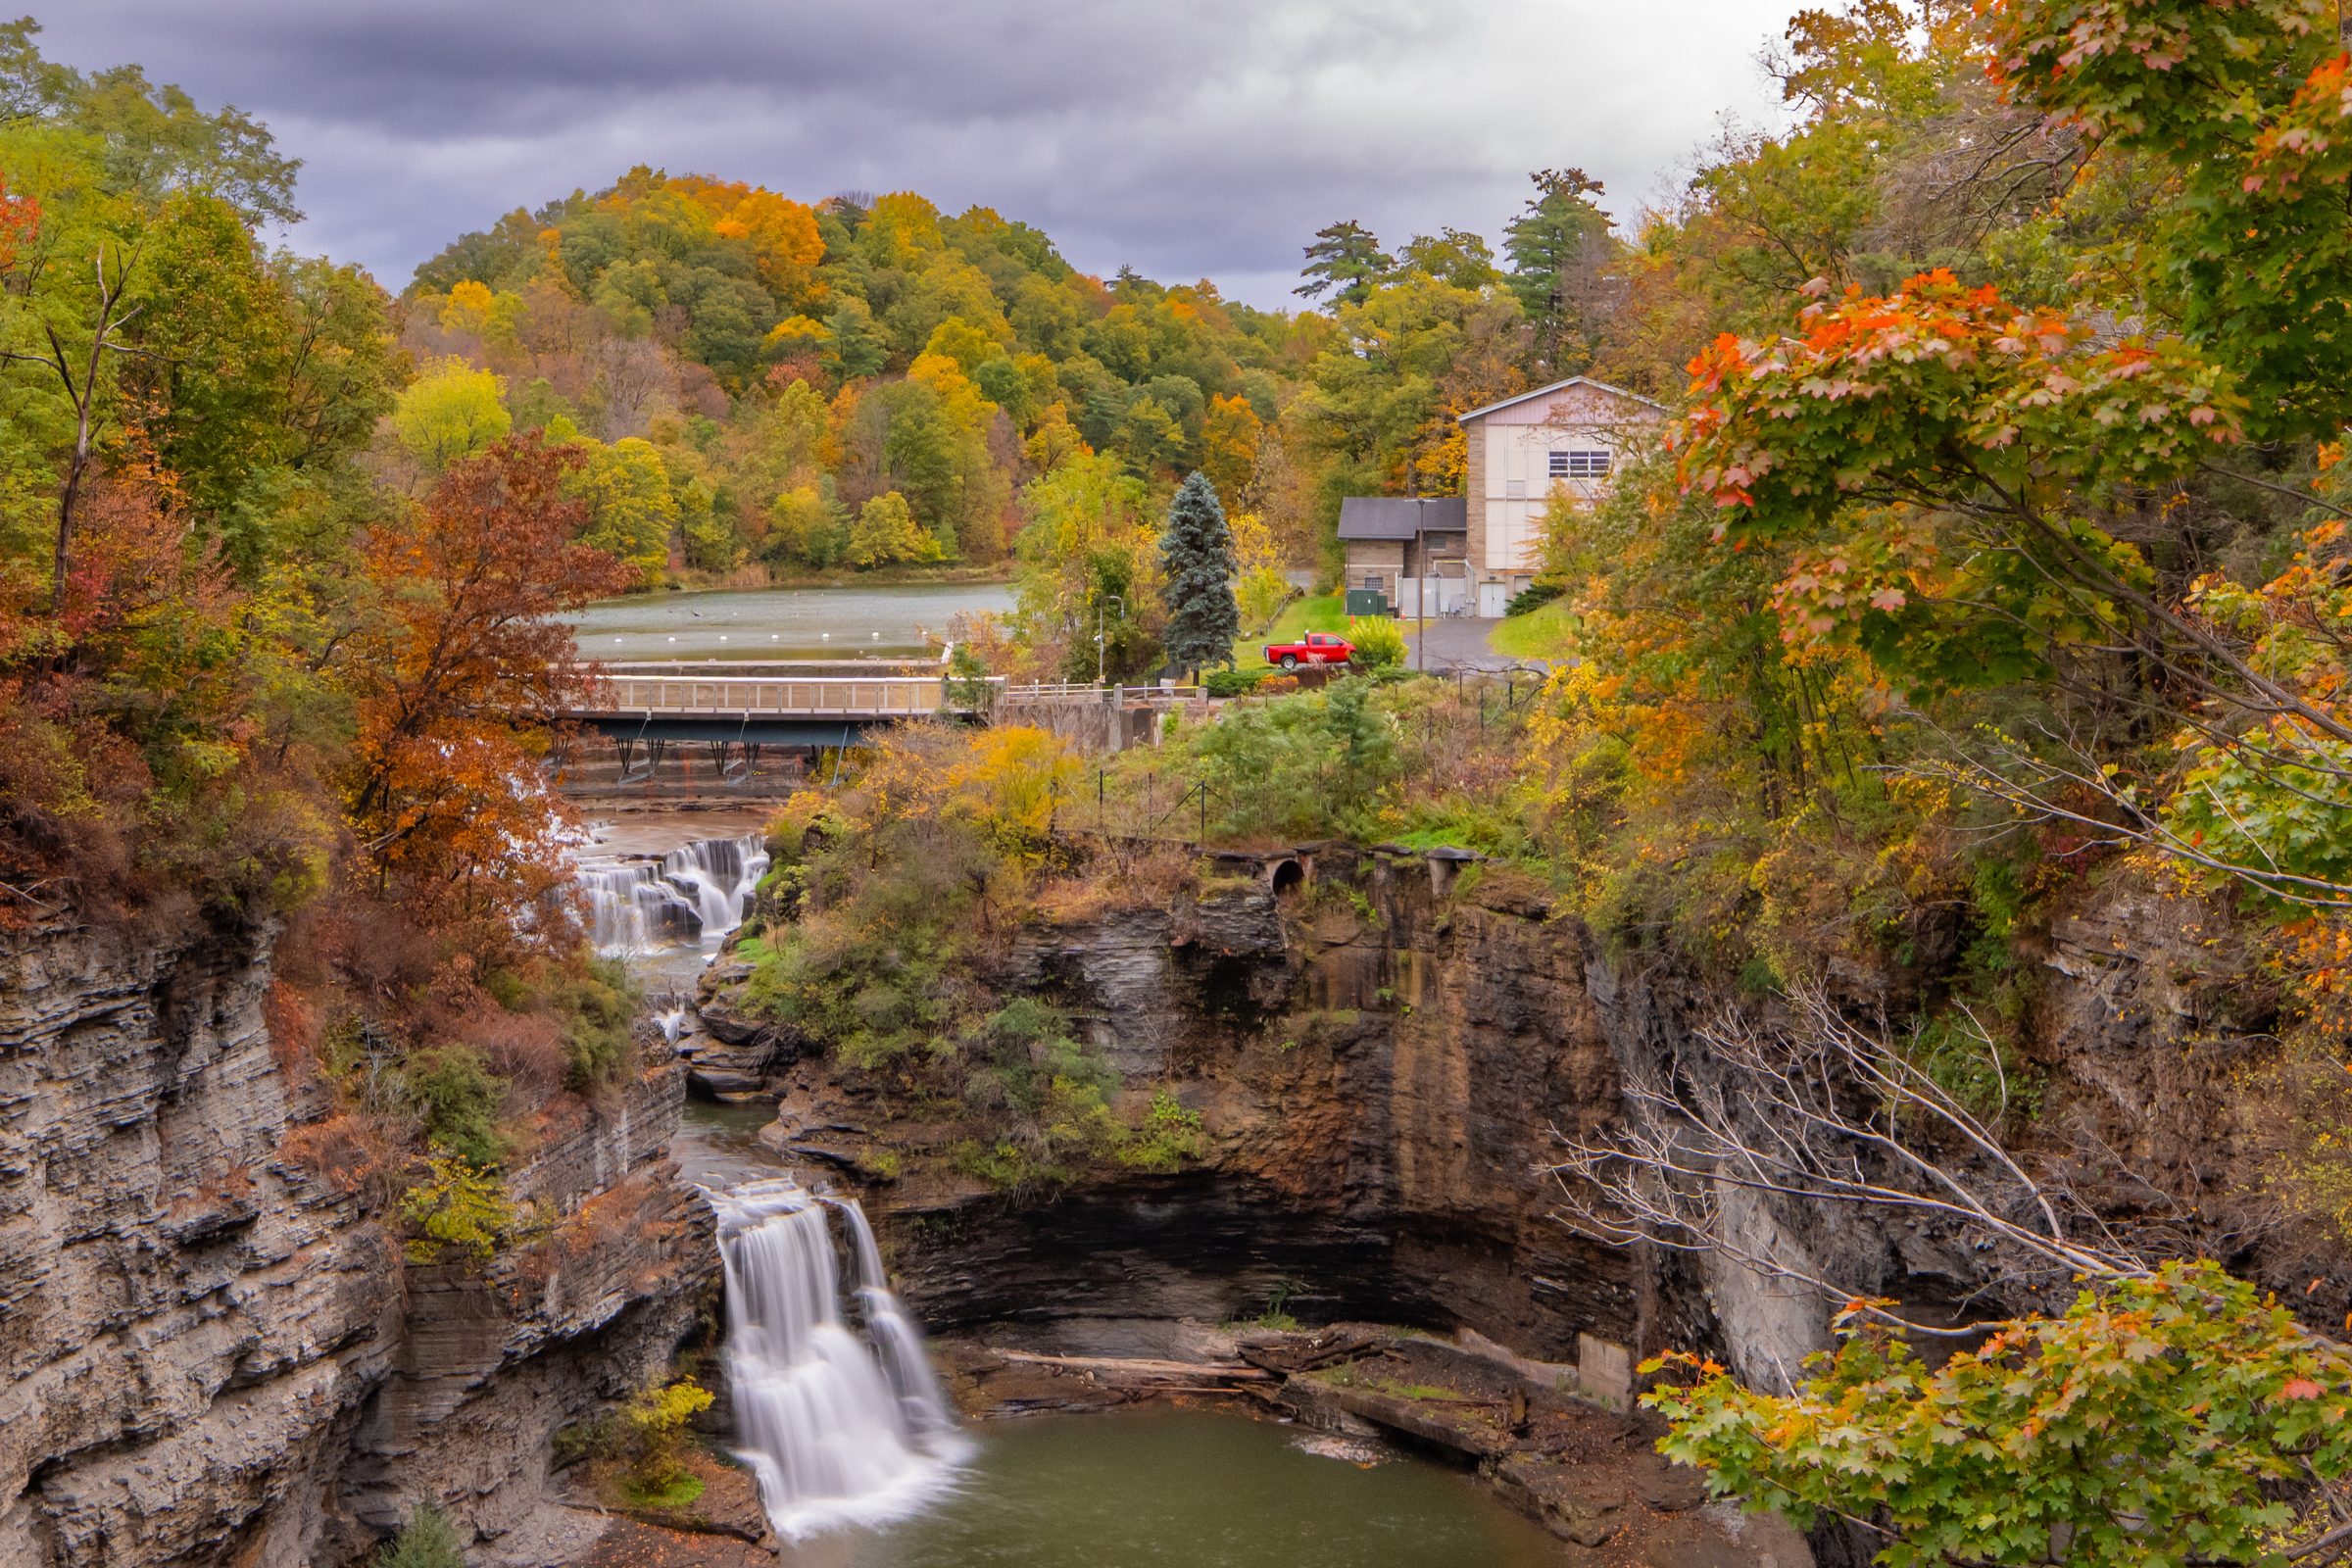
1436, 553
1474, 486
1509, 483
1384, 557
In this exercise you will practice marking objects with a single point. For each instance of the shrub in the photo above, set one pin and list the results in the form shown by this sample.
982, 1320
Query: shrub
458, 1101
1305, 766
458, 1205
596, 1032
427, 1541
1529, 599
1379, 643
1038, 1072
1234, 682
1169, 1134
657, 1416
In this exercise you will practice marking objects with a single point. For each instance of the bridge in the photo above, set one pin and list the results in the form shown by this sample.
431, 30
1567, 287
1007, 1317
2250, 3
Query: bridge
655, 720
777, 710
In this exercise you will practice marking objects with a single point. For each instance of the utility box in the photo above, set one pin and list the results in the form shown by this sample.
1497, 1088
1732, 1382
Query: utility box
1367, 601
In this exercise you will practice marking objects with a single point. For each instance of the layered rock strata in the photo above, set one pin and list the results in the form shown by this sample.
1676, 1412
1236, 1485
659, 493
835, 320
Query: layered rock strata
208, 1353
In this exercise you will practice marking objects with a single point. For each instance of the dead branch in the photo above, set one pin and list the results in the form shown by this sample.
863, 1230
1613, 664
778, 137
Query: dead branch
1817, 1111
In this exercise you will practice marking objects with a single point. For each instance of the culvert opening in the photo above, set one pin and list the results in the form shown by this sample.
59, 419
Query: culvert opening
1288, 877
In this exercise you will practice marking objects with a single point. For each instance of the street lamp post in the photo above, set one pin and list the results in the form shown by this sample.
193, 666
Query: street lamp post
1421, 592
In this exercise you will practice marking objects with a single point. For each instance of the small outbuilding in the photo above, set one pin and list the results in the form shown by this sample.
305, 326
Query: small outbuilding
1403, 547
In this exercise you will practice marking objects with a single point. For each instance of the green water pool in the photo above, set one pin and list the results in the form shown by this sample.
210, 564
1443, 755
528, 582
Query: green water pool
1188, 1488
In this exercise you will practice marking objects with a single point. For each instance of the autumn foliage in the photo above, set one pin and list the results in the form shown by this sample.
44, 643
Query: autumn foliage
458, 681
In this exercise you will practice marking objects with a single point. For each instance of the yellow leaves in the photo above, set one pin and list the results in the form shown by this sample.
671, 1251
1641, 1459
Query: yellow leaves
966, 410
451, 413
473, 307
969, 346
1011, 779
1055, 441
795, 334
886, 533
900, 231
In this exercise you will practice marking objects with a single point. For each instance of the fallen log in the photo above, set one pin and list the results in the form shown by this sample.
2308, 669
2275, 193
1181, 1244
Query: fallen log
1221, 1370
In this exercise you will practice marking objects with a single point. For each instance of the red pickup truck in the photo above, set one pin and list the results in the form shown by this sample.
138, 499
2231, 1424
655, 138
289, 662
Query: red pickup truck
1319, 648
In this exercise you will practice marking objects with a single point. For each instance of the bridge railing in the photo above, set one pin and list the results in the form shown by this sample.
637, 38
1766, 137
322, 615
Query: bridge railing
1070, 690
810, 697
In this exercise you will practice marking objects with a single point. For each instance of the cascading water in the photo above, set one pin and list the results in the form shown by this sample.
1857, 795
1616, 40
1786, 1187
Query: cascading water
693, 893
840, 1430
717, 876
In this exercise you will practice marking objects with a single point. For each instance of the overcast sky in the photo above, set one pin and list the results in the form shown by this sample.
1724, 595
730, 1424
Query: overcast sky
1201, 139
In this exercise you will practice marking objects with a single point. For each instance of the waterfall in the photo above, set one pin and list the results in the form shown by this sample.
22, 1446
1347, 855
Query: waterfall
692, 894
840, 1430
634, 909
717, 876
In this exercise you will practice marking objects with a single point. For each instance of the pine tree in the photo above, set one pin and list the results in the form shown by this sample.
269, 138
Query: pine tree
1557, 240
1346, 257
1196, 556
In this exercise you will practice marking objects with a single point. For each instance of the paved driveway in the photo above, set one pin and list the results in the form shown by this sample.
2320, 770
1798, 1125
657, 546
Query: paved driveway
1457, 644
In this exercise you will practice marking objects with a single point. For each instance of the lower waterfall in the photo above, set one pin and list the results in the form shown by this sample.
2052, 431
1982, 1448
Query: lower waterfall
840, 1429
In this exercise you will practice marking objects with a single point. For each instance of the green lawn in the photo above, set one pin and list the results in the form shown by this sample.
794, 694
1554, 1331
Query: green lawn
1302, 616
1539, 635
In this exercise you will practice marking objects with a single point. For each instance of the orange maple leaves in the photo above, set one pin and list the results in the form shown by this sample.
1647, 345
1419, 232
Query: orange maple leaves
458, 684
20, 221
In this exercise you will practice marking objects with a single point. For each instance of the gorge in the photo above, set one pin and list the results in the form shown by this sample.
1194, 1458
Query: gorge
204, 1307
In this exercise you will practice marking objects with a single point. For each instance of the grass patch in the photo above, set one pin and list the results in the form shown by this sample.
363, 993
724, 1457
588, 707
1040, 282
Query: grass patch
1540, 634
674, 1493
1302, 616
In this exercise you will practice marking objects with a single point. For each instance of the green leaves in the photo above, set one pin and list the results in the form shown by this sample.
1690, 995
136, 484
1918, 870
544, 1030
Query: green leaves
1971, 432
2246, 104
2145, 1427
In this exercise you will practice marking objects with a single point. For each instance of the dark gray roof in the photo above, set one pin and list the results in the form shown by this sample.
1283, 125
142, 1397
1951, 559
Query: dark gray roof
1401, 518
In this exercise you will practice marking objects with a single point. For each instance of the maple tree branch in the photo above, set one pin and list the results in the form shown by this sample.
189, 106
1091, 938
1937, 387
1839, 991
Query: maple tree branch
2104, 577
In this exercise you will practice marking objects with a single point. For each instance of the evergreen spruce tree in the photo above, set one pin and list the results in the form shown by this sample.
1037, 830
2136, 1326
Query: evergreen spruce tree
1196, 556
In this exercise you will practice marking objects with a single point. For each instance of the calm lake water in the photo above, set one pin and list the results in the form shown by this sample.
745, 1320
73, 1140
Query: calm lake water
784, 622
1188, 1488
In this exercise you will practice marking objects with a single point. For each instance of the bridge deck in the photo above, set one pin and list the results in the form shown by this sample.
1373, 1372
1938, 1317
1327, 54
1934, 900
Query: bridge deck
785, 697
786, 711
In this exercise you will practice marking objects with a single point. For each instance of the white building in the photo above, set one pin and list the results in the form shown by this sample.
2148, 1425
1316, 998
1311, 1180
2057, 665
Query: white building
1573, 433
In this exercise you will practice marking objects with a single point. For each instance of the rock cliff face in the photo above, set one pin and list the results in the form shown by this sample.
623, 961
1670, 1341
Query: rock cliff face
1379, 1086
208, 1354
1382, 1074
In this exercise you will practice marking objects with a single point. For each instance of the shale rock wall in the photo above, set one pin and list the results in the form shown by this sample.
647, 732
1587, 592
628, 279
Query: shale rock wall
208, 1356
1383, 1077
1379, 1087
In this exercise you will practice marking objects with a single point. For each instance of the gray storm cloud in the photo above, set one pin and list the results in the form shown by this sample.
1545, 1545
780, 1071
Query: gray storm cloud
1208, 140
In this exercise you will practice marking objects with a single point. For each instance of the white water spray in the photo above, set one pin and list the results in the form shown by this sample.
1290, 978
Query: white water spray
840, 1430
695, 894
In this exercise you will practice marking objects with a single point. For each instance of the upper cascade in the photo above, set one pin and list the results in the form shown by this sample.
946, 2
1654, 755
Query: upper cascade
698, 893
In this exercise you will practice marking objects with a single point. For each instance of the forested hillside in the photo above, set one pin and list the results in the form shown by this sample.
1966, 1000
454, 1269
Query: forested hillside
1990, 584
790, 362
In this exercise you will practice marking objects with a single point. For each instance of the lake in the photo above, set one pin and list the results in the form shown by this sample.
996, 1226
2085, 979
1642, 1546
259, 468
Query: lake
895, 621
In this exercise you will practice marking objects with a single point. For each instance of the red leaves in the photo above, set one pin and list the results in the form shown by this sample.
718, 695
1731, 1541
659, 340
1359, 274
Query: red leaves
456, 681
20, 221
2300, 1389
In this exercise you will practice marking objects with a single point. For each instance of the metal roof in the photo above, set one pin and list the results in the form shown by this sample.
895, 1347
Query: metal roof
1401, 517
1574, 381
